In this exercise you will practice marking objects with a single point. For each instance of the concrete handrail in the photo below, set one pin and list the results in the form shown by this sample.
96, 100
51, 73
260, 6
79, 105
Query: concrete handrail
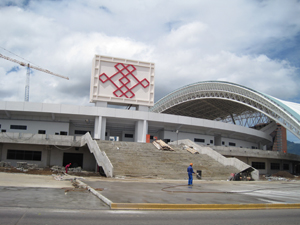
220, 158
100, 156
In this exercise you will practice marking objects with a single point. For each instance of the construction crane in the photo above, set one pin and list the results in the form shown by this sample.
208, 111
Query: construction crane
28, 73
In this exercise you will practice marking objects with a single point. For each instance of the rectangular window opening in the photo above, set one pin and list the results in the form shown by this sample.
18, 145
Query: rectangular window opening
24, 155
286, 166
82, 132
275, 166
259, 165
18, 127
129, 135
199, 140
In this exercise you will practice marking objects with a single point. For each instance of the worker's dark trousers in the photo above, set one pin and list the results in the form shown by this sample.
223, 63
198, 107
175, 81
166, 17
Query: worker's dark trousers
190, 179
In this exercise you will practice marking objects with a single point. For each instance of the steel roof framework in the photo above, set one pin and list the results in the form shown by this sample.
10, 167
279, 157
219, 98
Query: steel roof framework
227, 102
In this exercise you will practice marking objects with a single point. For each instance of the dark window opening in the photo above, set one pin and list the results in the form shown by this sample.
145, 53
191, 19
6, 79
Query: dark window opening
105, 134
129, 135
259, 165
41, 132
286, 166
56, 133
231, 144
167, 140
75, 158
211, 141
275, 166
199, 140
83, 132
3, 131
24, 155
18, 127
63, 133
223, 143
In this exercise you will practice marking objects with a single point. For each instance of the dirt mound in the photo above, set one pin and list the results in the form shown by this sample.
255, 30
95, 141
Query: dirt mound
283, 174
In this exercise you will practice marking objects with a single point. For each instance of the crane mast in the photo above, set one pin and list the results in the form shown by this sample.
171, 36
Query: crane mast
28, 73
27, 84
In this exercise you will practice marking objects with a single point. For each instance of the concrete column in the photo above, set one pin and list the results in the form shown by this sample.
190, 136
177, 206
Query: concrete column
103, 128
1, 146
141, 129
100, 128
101, 104
260, 146
142, 108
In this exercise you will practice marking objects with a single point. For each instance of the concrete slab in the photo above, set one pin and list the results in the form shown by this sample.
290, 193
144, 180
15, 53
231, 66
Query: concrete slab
21, 190
170, 192
28, 180
38, 191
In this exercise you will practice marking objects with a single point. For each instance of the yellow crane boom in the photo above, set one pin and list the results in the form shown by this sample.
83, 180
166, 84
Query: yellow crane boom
28, 73
33, 67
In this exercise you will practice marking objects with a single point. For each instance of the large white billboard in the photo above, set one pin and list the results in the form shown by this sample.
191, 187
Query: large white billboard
124, 81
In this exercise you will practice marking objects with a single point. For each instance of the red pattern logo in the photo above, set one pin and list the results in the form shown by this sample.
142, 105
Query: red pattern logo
125, 72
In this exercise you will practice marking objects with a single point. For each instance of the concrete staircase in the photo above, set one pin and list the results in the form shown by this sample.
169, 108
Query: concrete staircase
145, 160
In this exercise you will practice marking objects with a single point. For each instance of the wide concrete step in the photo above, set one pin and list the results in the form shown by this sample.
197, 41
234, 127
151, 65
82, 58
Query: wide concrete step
145, 160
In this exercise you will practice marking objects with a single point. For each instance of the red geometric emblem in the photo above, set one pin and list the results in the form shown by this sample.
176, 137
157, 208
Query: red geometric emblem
124, 71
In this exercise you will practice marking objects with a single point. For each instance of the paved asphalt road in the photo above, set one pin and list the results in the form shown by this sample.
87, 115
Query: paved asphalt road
32, 216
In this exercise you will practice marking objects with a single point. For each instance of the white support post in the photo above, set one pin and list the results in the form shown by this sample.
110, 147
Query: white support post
141, 129
103, 128
100, 128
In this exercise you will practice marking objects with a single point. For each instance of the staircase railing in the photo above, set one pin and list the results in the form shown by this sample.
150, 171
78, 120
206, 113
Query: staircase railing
241, 166
100, 156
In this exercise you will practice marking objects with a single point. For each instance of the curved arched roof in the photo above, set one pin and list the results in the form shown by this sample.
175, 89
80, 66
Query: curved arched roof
217, 100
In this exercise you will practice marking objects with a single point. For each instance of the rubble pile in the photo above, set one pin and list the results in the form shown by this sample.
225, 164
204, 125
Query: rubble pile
281, 176
61, 169
24, 166
284, 174
5, 164
58, 169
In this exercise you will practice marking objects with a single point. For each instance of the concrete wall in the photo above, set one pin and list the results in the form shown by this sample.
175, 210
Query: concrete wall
42, 163
268, 171
31, 110
172, 135
72, 129
239, 143
33, 127
52, 149
255, 155
123, 138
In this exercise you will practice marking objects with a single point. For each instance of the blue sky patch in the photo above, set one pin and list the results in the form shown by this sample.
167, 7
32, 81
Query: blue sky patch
13, 69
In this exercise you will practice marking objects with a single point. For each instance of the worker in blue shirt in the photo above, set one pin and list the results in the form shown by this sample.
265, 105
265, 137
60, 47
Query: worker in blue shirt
190, 173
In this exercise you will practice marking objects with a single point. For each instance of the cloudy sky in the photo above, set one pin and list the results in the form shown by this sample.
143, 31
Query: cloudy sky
253, 43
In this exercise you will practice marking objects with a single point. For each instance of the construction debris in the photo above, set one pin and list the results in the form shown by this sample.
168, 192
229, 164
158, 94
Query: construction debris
159, 144
190, 149
57, 168
61, 169
5, 164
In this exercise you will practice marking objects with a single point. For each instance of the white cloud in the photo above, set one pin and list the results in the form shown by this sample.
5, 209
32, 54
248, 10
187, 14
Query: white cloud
188, 41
